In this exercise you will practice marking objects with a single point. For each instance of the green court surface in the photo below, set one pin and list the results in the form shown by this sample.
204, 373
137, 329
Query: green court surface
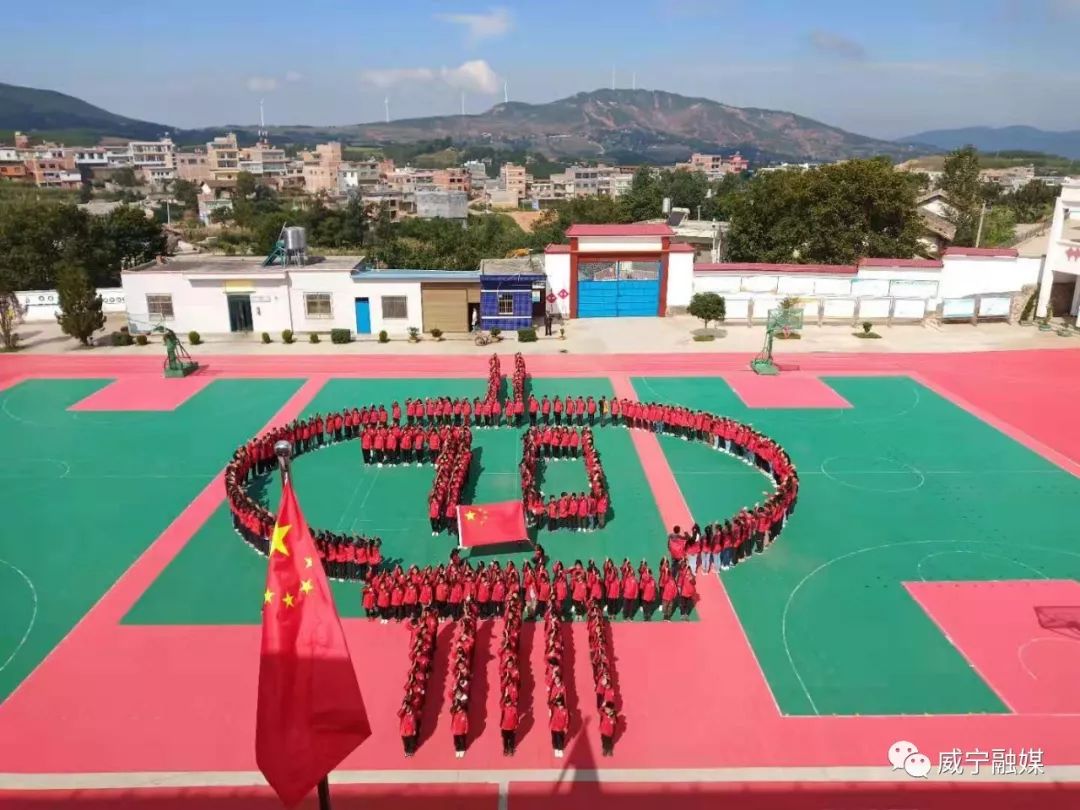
905, 486
85, 493
338, 492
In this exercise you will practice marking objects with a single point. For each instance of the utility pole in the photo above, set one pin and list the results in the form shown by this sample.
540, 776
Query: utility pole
982, 216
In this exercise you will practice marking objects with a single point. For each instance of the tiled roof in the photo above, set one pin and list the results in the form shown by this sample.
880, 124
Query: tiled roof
934, 264
971, 252
637, 229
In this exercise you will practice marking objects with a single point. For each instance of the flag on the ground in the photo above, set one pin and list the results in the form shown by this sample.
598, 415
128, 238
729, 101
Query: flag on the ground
486, 524
310, 712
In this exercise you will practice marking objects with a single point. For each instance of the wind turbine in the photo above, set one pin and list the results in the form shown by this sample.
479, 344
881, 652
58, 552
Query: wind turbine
386, 104
506, 92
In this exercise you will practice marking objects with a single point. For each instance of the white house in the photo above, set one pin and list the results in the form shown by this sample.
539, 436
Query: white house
1059, 290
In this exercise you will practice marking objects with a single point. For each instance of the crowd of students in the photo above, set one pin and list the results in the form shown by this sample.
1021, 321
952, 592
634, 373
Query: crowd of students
461, 660
451, 473
558, 713
423, 631
446, 589
580, 511
510, 674
602, 676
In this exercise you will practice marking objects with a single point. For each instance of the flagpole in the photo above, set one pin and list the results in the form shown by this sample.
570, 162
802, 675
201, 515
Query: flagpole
283, 451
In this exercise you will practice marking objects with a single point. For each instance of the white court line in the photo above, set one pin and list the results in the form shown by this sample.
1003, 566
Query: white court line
1023, 647
919, 565
33, 612
895, 491
880, 774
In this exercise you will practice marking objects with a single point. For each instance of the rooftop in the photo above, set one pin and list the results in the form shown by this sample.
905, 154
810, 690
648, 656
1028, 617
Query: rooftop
532, 265
405, 274
973, 252
243, 265
641, 229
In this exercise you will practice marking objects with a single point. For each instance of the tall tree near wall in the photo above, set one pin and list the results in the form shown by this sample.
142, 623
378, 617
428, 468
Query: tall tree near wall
80, 306
961, 184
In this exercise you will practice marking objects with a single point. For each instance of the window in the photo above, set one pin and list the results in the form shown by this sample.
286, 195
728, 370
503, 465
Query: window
395, 306
159, 307
318, 305
506, 304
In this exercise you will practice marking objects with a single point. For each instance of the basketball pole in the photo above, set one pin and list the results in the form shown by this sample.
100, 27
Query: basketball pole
283, 451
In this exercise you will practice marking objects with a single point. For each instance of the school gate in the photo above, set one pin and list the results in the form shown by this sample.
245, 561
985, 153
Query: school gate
609, 289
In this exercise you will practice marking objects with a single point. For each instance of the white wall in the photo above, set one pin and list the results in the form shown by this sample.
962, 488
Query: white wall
680, 283
620, 244
44, 305
201, 304
343, 291
963, 275
557, 270
376, 290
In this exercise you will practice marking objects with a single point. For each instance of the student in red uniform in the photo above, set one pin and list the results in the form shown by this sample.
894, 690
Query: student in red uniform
552, 509
669, 589
559, 723
459, 728
408, 728
676, 544
648, 592
557, 407
629, 594
607, 731
687, 592
508, 723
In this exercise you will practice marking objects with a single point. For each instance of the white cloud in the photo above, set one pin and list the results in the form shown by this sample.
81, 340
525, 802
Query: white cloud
293, 76
262, 84
474, 76
495, 23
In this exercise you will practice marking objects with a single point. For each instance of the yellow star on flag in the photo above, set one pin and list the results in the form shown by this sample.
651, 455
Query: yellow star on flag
277, 541
268, 597
308, 562
306, 586
470, 515
289, 600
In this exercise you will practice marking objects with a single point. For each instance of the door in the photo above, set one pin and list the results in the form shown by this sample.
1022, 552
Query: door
363, 316
240, 313
610, 289
446, 306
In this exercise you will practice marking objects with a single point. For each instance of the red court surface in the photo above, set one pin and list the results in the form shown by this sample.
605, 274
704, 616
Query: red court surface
144, 394
120, 700
996, 626
790, 390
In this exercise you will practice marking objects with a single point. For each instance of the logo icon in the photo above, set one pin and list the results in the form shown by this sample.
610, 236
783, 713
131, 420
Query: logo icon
904, 756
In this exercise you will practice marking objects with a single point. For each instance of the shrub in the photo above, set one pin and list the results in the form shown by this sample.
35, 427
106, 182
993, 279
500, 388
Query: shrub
708, 307
266, 337
288, 337
866, 327
384, 337
436, 333
340, 336
527, 335
496, 333
704, 338
414, 334
194, 338
313, 337
562, 333
142, 340
121, 338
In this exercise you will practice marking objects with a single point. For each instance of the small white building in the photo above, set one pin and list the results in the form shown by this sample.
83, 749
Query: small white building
1059, 288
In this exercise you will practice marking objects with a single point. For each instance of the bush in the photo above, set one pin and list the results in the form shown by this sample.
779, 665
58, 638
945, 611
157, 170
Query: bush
340, 336
436, 333
383, 337
142, 340
527, 335
414, 334
496, 333
313, 337
266, 337
704, 338
288, 337
866, 327
708, 307
121, 338
194, 338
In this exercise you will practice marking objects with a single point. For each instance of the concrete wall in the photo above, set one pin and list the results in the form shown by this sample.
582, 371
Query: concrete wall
376, 290
620, 244
963, 276
680, 284
44, 305
557, 269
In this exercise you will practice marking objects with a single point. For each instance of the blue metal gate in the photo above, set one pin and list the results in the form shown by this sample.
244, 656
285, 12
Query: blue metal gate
611, 289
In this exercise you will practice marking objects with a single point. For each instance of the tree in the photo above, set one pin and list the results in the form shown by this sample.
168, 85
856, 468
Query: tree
11, 315
187, 194
961, 184
836, 214
644, 199
127, 237
708, 306
245, 185
80, 305
125, 177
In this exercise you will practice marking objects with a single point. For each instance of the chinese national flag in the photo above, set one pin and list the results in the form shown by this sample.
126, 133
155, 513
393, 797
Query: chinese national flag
310, 714
486, 524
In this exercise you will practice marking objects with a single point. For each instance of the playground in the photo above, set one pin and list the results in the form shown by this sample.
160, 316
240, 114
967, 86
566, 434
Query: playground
925, 590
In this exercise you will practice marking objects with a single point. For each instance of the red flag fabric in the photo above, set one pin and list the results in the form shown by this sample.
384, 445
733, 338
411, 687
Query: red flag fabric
486, 524
310, 714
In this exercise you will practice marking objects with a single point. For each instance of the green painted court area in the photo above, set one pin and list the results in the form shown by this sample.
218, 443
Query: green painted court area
85, 493
216, 579
905, 486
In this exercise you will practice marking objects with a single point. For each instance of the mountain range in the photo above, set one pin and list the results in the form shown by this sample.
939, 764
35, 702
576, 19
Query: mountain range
1003, 139
622, 126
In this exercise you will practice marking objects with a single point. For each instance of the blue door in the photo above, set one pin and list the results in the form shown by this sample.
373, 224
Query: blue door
363, 316
611, 289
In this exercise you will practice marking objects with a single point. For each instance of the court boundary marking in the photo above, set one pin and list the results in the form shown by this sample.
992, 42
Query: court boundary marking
33, 612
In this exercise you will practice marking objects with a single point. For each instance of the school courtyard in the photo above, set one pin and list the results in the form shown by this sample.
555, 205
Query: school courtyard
926, 590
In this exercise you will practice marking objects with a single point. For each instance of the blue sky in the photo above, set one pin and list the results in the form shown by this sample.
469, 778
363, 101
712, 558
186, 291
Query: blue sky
883, 69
